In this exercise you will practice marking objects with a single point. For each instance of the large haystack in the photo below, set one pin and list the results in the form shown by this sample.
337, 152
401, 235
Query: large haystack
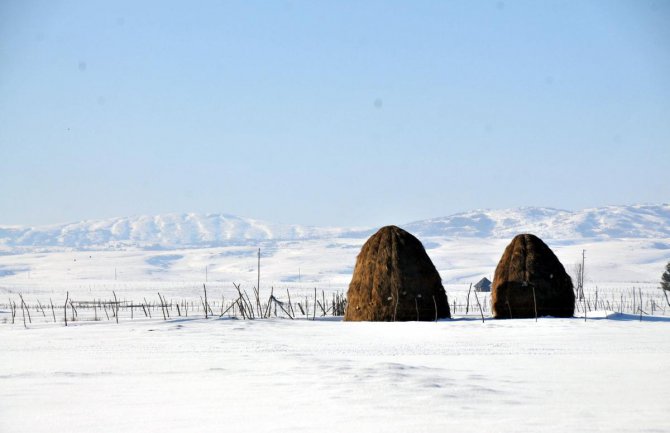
394, 279
529, 276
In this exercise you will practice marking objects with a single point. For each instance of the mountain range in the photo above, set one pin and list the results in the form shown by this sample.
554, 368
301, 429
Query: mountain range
205, 230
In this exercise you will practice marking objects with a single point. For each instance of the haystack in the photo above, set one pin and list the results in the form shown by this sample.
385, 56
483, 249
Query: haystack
394, 280
529, 276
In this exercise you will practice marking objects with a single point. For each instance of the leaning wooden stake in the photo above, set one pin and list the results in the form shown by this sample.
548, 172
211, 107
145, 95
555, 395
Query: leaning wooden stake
204, 307
12, 306
229, 307
67, 298
240, 306
205, 304
23, 314
26, 305
314, 315
480, 307
257, 297
75, 314
290, 306
534, 302
42, 308
250, 311
148, 310
245, 304
281, 305
116, 305
162, 308
268, 310
167, 310
52, 309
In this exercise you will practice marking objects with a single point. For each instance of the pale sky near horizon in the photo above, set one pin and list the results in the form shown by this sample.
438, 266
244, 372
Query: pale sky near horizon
330, 112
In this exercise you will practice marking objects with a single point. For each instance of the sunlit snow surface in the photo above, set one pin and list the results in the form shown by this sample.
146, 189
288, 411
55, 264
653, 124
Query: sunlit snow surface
208, 230
608, 373
178, 252
326, 264
554, 375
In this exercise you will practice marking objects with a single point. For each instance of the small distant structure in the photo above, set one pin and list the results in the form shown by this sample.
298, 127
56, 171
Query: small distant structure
484, 285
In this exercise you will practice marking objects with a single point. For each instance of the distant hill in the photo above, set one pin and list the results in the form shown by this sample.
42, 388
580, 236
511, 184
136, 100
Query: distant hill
201, 230
637, 221
169, 230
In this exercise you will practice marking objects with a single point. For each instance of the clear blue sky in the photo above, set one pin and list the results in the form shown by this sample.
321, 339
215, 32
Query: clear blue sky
330, 113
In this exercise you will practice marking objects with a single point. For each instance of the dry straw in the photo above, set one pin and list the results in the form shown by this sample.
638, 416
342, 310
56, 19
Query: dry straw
394, 279
530, 281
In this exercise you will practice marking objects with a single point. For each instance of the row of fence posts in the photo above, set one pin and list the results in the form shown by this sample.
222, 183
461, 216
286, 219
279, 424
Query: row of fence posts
242, 306
630, 301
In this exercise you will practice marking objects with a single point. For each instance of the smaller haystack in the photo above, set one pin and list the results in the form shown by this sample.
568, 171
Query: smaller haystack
395, 280
530, 277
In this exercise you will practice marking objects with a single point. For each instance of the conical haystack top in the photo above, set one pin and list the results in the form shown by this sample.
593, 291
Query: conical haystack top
530, 280
394, 279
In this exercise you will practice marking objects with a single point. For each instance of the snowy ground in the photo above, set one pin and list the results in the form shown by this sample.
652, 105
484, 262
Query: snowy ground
553, 375
324, 263
185, 374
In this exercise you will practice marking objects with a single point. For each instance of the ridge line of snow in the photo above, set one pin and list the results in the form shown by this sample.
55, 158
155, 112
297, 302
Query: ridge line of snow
192, 229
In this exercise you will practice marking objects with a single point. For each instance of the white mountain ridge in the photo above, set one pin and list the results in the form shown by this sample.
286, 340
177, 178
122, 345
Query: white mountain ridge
610, 222
203, 230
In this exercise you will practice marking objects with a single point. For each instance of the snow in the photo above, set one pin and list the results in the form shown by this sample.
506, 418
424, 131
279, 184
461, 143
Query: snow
299, 265
134, 256
209, 230
635, 221
158, 231
554, 375
605, 373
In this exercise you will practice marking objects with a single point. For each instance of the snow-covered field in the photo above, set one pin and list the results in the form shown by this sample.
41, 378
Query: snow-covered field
625, 245
554, 375
607, 373
326, 264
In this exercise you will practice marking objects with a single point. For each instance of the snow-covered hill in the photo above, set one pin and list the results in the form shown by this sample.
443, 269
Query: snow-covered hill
611, 222
170, 230
204, 230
